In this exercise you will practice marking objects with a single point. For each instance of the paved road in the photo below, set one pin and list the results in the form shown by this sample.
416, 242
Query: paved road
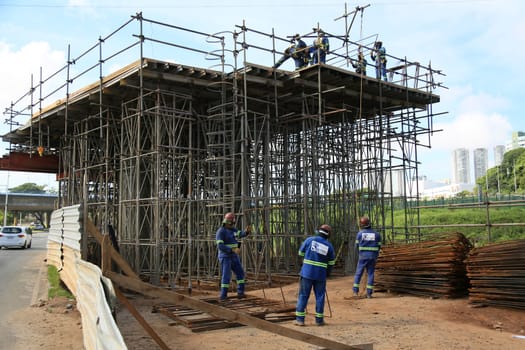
21, 271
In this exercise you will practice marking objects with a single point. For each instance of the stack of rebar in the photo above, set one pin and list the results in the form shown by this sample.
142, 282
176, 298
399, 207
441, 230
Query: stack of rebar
497, 274
435, 267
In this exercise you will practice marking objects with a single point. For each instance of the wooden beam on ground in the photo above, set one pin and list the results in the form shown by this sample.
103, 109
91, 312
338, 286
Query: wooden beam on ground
117, 258
227, 314
122, 298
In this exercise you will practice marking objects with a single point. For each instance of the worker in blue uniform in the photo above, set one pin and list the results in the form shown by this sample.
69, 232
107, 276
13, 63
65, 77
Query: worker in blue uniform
360, 64
229, 250
320, 47
378, 54
319, 259
368, 241
298, 50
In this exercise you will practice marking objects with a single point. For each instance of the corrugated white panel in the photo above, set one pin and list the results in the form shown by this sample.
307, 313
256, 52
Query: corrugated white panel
98, 326
72, 228
56, 226
69, 273
54, 254
83, 279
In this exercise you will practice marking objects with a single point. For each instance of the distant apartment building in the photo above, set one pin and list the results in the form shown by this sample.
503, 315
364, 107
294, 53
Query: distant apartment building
517, 141
499, 151
481, 162
460, 166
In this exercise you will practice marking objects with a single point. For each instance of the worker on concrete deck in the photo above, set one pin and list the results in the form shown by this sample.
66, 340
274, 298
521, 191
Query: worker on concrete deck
320, 47
378, 54
298, 51
319, 259
229, 250
360, 64
368, 241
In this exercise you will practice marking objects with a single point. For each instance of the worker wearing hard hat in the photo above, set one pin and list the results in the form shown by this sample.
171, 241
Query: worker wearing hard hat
319, 259
378, 54
320, 47
298, 51
229, 250
368, 241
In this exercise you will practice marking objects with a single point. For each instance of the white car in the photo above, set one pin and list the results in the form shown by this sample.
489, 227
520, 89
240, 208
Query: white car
16, 236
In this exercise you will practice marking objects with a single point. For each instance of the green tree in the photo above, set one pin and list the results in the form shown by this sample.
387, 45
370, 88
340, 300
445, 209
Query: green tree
29, 187
463, 194
509, 177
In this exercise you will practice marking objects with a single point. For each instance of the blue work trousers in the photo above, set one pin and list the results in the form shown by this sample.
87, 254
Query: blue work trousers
305, 287
381, 70
229, 264
319, 56
370, 264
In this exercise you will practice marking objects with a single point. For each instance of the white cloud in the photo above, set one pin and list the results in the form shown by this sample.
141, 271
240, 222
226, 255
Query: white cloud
27, 60
16, 69
472, 130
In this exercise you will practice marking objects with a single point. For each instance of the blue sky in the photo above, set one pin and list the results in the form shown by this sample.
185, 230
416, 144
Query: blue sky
479, 45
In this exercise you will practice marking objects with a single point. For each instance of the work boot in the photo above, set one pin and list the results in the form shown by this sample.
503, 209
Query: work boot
320, 324
241, 296
224, 294
298, 323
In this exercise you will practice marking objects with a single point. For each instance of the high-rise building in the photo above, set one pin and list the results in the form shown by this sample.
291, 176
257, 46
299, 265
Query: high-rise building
461, 166
517, 141
499, 151
481, 162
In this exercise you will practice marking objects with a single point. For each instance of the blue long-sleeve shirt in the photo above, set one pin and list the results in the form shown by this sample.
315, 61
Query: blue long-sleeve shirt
319, 258
226, 239
369, 242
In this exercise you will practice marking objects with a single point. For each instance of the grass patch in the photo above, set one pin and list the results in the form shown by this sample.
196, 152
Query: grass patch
56, 286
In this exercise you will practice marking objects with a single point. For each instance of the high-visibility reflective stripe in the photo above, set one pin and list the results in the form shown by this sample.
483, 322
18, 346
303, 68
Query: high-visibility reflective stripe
315, 263
318, 315
300, 314
240, 281
219, 241
356, 285
225, 285
331, 262
369, 286
301, 253
232, 245
372, 249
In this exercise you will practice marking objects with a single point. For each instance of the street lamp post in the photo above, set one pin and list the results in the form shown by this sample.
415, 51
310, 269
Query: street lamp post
499, 191
514, 171
6, 198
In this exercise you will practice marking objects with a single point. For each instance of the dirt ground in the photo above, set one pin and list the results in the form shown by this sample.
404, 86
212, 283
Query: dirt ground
387, 321
48, 325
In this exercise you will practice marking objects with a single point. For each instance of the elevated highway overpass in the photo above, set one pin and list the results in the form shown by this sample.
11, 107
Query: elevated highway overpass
29, 202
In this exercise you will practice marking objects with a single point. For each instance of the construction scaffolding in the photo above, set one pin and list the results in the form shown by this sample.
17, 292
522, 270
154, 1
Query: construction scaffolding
158, 151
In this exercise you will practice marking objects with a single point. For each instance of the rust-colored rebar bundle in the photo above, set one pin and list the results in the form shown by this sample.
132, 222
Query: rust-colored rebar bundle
497, 274
434, 267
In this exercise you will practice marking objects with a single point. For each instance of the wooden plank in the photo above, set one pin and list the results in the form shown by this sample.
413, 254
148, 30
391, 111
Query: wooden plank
121, 262
227, 314
141, 320
198, 320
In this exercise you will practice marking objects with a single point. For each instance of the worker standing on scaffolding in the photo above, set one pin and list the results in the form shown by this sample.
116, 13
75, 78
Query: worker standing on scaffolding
298, 51
229, 250
378, 54
360, 64
318, 262
320, 47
